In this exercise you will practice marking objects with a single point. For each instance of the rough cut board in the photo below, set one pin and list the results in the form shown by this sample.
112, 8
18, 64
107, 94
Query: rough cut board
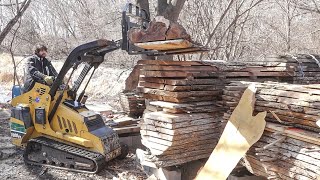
295, 133
165, 45
241, 132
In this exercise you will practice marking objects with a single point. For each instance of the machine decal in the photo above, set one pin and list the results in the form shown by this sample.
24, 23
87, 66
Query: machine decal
17, 130
37, 99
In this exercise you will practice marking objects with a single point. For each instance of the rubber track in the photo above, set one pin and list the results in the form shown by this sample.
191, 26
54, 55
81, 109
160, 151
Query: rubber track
97, 158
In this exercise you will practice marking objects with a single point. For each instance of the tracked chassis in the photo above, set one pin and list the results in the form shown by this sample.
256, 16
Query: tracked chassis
50, 153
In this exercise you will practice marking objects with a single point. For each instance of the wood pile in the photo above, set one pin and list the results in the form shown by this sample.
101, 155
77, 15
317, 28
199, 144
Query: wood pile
290, 145
288, 104
175, 139
125, 126
181, 121
285, 153
132, 104
184, 99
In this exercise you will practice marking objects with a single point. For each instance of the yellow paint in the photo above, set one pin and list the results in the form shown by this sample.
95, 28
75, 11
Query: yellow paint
52, 130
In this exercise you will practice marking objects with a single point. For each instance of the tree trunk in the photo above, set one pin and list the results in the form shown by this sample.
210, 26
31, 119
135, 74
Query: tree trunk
133, 79
171, 12
144, 4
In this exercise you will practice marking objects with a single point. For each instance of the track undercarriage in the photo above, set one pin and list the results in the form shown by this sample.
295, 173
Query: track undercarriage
50, 153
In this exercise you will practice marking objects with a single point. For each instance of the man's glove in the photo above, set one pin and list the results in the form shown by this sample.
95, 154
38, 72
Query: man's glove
49, 80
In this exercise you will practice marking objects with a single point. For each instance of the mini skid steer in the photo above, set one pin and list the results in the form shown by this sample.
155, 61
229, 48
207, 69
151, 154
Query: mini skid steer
53, 124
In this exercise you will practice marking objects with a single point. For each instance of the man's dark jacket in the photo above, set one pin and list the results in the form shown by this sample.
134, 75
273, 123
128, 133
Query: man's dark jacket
36, 70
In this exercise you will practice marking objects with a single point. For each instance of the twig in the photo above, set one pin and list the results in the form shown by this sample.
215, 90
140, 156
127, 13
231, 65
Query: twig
271, 144
314, 58
312, 150
15, 75
275, 116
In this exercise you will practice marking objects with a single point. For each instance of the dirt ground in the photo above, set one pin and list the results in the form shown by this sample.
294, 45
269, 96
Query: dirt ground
13, 167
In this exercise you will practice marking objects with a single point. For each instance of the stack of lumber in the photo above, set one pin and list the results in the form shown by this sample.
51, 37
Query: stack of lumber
132, 104
175, 139
125, 125
285, 153
184, 98
288, 104
181, 121
290, 145
187, 75
173, 81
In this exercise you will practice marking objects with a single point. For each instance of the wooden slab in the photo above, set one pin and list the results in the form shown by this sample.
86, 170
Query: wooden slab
177, 138
183, 81
178, 68
181, 124
129, 129
180, 100
296, 133
176, 118
179, 94
186, 130
241, 132
165, 45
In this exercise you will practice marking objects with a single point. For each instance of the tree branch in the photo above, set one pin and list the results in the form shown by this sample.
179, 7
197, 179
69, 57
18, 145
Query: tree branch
25, 4
11, 4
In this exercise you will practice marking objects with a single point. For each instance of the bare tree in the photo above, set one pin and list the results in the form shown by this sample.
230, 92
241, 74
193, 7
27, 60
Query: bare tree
220, 25
170, 9
21, 8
